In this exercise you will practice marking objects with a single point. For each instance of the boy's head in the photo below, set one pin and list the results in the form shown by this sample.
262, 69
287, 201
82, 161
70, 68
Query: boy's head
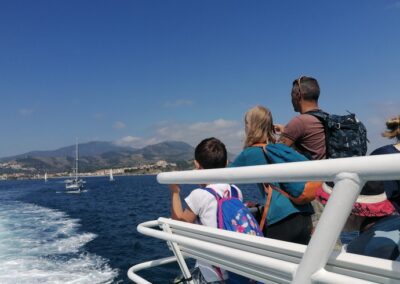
211, 154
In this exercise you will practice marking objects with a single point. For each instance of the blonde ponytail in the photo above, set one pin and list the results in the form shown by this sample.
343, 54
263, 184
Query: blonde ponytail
259, 127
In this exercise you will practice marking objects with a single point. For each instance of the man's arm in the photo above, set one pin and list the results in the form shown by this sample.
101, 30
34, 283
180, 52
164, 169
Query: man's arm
177, 211
280, 129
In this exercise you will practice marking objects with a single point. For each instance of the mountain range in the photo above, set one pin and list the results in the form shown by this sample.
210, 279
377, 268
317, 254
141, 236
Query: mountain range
101, 155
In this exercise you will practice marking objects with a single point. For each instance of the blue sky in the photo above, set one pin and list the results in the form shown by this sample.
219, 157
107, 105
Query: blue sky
140, 72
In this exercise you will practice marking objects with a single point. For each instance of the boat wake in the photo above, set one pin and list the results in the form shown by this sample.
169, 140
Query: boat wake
72, 191
41, 245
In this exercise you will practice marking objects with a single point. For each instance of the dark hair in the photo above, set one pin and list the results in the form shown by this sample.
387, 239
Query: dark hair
211, 154
308, 88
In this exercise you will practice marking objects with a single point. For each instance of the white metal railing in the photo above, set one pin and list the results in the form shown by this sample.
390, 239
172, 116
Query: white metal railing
379, 167
349, 175
149, 264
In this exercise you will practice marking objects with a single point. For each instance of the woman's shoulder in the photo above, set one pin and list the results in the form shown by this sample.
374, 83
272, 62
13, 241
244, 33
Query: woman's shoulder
251, 151
387, 149
248, 157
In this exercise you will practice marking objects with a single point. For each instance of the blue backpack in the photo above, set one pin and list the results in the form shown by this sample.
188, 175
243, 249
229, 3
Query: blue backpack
299, 193
233, 215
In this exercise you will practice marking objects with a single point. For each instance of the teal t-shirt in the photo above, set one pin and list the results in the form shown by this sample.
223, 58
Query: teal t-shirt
280, 206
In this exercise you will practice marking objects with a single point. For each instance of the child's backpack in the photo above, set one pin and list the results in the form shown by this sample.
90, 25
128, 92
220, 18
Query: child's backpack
345, 135
233, 215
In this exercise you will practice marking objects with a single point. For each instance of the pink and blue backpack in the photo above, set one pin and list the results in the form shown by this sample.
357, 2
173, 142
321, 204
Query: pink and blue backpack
233, 215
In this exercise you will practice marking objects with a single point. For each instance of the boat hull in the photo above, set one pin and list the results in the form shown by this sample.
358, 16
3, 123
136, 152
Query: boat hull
74, 185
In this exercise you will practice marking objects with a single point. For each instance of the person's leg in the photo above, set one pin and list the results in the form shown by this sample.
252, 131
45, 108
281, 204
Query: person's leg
295, 228
198, 278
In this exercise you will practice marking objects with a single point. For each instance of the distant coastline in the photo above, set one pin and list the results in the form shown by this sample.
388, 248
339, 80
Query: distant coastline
96, 158
147, 169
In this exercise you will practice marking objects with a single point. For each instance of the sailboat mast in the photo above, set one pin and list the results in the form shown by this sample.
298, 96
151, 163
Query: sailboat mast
76, 160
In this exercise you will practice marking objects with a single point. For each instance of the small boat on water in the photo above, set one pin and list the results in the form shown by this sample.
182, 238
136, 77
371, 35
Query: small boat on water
75, 184
45, 177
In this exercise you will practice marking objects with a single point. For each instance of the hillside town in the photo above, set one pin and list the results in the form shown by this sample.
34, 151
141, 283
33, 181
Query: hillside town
14, 170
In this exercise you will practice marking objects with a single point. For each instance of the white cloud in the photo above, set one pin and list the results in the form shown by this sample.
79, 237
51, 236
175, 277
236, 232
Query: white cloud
178, 103
219, 124
135, 142
230, 132
395, 5
25, 111
119, 125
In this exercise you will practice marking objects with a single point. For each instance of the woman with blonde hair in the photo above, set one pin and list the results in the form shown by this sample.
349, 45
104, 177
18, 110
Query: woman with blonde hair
285, 220
392, 132
259, 127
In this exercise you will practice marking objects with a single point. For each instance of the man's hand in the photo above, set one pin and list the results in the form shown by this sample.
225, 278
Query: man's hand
285, 140
279, 128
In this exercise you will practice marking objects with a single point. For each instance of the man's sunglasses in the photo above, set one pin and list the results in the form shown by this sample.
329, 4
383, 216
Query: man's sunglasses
299, 83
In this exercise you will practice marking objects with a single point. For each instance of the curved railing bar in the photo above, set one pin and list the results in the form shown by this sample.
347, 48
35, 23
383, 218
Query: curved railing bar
379, 167
145, 265
322, 276
277, 264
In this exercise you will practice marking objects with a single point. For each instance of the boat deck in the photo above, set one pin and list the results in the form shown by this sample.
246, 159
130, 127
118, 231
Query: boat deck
273, 261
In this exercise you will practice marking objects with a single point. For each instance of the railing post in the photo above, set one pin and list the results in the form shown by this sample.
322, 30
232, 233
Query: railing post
337, 210
179, 257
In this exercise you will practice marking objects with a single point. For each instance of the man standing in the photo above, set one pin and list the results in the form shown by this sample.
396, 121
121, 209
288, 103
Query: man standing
305, 132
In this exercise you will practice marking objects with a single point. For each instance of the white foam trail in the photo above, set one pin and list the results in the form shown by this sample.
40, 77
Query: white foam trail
41, 245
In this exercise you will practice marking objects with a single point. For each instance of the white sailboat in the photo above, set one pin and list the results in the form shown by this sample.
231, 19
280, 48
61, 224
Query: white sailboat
75, 184
111, 175
45, 177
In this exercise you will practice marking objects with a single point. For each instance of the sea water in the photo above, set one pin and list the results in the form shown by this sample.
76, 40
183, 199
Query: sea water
50, 236
39, 245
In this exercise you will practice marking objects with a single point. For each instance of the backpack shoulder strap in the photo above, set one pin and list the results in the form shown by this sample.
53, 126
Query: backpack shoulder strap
321, 115
263, 147
234, 192
268, 191
259, 145
213, 192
